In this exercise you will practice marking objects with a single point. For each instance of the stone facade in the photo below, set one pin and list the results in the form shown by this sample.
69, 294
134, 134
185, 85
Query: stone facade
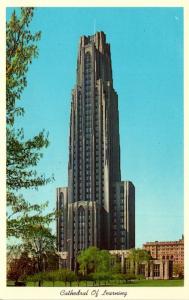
152, 269
62, 219
123, 221
98, 208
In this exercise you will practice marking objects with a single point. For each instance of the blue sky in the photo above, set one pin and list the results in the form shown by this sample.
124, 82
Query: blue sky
147, 61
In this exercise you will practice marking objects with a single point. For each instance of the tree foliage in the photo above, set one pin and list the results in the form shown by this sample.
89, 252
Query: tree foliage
20, 267
116, 267
37, 277
178, 270
99, 276
94, 260
21, 48
23, 154
39, 243
139, 255
136, 257
65, 275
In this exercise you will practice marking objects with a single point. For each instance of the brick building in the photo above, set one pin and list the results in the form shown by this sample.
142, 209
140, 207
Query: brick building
171, 250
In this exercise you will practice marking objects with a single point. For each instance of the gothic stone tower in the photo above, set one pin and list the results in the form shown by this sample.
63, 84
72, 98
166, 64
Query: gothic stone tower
97, 208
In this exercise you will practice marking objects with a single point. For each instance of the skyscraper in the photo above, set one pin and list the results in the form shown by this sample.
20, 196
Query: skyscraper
96, 208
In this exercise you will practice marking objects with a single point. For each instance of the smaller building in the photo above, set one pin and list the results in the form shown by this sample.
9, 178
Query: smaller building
168, 250
152, 269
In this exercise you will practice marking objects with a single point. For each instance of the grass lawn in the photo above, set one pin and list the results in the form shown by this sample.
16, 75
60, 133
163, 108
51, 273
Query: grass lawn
157, 283
10, 283
138, 283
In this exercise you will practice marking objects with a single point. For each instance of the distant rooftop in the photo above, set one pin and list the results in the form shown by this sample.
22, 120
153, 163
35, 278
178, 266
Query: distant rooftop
165, 242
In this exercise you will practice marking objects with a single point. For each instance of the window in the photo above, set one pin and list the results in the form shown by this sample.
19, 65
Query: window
141, 270
61, 199
81, 228
156, 270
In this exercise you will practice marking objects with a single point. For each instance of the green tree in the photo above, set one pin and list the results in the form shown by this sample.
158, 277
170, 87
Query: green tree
116, 267
71, 276
87, 260
101, 276
38, 277
62, 275
23, 154
178, 270
103, 264
94, 260
38, 241
118, 276
52, 276
66, 275
137, 256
